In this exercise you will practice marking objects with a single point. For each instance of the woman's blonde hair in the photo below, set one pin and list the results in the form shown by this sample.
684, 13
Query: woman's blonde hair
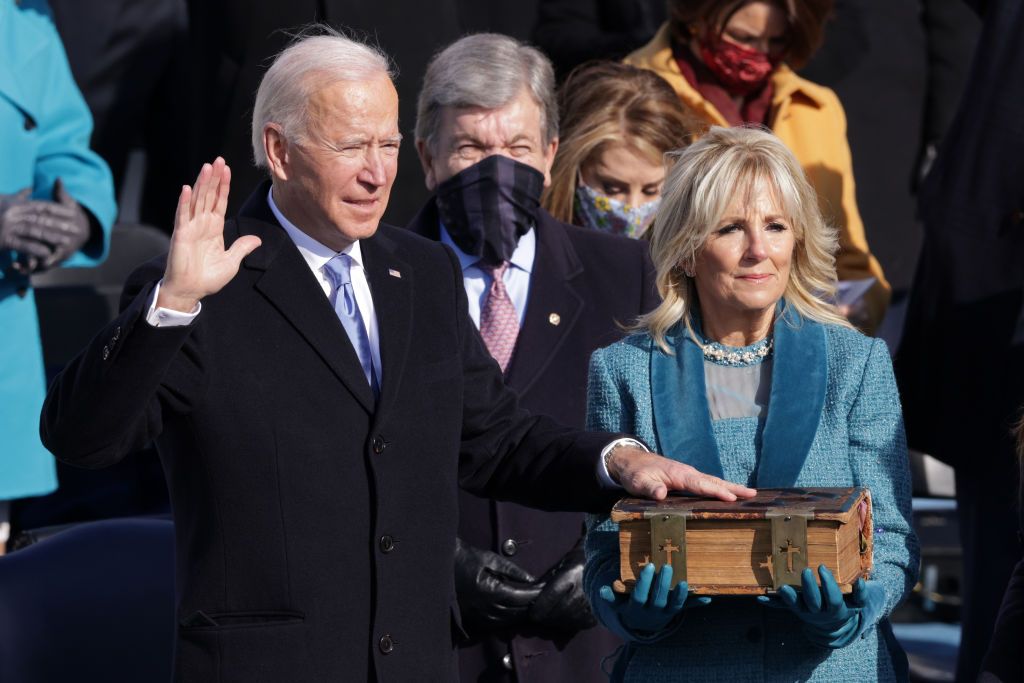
605, 102
723, 164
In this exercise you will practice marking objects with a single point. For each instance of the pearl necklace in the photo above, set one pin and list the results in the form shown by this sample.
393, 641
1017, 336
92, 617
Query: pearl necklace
737, 357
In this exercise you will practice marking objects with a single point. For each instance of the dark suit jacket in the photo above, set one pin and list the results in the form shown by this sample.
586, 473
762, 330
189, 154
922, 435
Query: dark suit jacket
315, 530
961, 360
591, 281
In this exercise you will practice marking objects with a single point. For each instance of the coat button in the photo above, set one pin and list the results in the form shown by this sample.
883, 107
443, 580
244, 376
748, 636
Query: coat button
510, 547
378, 445
386, 644
754, 634
508, 662
387, 543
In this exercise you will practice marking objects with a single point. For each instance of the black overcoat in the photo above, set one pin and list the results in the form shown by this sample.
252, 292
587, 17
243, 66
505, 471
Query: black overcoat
315, 529
961, 362
583, 285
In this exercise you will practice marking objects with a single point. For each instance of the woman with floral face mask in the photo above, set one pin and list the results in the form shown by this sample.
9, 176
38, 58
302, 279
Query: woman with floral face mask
729, 63
618, 122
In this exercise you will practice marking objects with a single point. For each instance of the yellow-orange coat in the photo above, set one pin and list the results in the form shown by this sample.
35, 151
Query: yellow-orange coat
810, 120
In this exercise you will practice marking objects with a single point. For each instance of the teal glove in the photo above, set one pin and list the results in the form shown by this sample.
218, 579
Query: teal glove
828, 620
649, 609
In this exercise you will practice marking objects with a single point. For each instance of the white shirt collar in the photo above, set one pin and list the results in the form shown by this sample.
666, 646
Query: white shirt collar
522, 257
315, 254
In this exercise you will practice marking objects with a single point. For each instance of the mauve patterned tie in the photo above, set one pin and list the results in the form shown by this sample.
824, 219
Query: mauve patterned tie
499, 322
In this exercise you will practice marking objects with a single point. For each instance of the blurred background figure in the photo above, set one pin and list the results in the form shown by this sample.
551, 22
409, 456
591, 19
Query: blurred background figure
961, 362
899, 68
127, 57
572, 32
1004, 660
617, 123
732, 63
544, 295
56, 208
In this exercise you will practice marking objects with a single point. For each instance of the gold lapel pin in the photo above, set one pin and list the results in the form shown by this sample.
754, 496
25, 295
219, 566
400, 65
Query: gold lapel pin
554, 318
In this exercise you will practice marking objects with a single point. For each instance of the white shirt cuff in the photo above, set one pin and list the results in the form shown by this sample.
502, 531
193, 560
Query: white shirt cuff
602, 468
165, 317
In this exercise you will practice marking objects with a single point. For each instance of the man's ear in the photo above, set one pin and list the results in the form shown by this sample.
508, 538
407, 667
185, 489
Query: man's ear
275, 145
426, 161
549, 159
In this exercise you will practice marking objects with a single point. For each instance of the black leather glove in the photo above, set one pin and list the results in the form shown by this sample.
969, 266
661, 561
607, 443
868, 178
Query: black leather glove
563, 606
494, 592
43, 232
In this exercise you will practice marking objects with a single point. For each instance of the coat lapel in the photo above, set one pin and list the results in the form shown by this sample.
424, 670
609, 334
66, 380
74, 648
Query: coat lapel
682, 419
288, 284
554, 307
391, 283
796, 401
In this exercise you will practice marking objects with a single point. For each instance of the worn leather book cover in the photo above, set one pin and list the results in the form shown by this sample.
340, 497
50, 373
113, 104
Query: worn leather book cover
747, 547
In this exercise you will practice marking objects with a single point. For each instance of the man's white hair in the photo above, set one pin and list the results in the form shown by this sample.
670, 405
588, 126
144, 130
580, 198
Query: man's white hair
318, 57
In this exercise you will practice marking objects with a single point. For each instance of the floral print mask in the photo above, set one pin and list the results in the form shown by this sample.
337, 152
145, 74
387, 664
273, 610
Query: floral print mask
601, 212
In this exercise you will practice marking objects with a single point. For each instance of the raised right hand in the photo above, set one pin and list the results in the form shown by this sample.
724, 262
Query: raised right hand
197, 262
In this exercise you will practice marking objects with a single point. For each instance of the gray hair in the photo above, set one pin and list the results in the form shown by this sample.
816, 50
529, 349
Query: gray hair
486, 70
318, 57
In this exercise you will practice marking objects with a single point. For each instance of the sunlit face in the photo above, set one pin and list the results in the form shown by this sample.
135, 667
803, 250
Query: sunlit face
743, 269
335, 185
623, 173
760, 26
469, 135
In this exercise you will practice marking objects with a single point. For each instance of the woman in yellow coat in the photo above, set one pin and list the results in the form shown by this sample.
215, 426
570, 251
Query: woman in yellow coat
729, 64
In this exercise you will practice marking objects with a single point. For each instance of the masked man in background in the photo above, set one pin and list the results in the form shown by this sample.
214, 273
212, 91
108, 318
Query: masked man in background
544, 295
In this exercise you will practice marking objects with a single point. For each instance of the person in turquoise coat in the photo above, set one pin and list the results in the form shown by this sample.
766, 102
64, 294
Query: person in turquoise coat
748, 371
56, 208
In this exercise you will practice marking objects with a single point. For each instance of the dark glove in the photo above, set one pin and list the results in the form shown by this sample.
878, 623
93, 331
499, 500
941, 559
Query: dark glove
651, 606
562, 605
494, 593
828, 620
43, 232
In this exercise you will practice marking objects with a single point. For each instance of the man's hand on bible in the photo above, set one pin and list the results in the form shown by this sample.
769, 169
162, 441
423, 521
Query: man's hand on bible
197, 262
650, 475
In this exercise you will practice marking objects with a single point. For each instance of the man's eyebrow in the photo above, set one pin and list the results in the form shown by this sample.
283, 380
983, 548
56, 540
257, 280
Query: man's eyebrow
521, 137
463, 136
360, 140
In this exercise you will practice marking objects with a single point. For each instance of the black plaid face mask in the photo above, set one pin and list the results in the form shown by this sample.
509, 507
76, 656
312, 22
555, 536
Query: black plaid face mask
487, 207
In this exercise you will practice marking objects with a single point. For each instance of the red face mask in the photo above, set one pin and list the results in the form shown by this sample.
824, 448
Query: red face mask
741, 70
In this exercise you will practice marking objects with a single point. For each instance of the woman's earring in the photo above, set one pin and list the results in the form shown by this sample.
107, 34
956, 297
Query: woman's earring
688, 273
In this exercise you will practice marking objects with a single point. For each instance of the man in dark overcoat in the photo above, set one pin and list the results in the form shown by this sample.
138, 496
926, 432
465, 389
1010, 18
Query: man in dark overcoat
571, 288
961, 363
317, 394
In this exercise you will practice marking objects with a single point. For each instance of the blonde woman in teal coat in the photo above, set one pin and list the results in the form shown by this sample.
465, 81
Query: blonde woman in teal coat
44, 134
748, 372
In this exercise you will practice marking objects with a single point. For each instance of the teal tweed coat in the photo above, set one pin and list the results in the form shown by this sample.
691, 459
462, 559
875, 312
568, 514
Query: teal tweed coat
833, 419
